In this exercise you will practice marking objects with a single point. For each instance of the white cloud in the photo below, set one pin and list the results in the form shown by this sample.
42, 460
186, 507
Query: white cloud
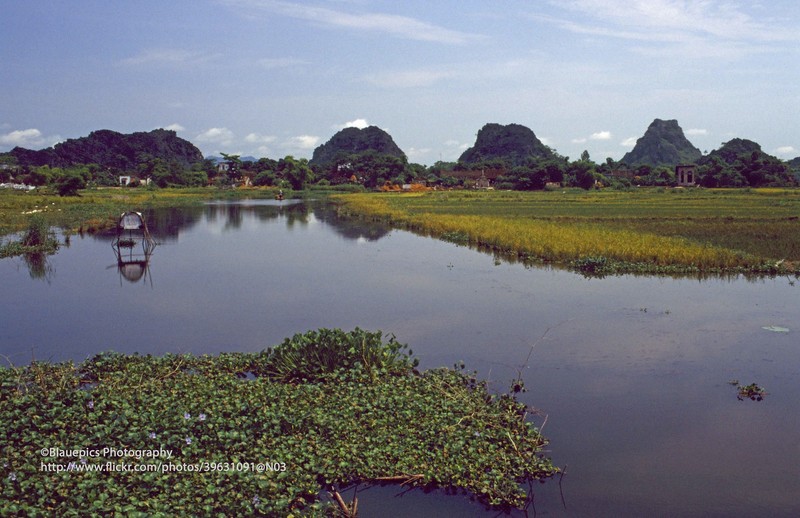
601, 135
271, 63
697, 132
408, 78
303, 142
417, 153
708, 28
257, 138
175, 127
392, 24
222, 136
578, 140
452, 143
786, 150
30, 138
170, 57
357, 123
628, 142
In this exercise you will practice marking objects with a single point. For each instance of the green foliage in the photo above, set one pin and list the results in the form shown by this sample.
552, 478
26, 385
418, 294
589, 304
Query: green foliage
295, 171
355, 141
663, 144
438, 429
642, 231
264, 178
37, 239
512, 143
113, 150
742, 163
370, 168
317, 355
752, 392
69, 184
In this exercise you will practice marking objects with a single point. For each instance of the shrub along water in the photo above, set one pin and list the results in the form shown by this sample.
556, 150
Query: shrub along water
256, 433
37, 239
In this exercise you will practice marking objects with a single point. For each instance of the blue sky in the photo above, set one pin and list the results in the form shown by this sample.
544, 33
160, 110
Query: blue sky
279, 77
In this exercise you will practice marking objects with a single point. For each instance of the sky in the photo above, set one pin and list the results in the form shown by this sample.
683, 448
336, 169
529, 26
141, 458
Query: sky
271, 78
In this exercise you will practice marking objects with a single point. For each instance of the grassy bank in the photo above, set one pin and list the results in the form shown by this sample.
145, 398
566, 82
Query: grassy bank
659, 231
324, 410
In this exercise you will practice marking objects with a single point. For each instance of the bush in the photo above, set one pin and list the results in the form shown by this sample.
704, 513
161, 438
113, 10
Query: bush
317, 355
68, 185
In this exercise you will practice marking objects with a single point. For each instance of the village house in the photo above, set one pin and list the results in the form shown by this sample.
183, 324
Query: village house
686, 175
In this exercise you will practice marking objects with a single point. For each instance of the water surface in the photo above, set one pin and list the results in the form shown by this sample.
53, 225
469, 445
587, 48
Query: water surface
630, 374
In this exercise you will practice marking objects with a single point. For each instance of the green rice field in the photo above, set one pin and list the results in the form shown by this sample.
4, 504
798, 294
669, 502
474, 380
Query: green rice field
648, 230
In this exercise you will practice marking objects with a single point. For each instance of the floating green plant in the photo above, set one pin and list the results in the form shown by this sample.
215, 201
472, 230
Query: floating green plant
256, 433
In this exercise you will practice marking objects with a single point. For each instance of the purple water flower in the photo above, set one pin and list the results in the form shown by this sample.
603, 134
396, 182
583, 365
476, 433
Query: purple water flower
12, 477
187, 415
256, 500
152, 435
202, 417
90, 404
188, 440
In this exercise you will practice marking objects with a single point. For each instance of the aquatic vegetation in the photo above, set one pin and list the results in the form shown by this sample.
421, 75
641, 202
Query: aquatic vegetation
752, 391
609, 232
38, 239
256, 433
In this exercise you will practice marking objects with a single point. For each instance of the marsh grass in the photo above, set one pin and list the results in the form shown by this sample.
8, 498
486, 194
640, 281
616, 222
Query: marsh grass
670, 230
36, 242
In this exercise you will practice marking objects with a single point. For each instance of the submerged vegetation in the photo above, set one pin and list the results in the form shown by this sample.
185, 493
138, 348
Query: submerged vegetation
608, 232
256, 433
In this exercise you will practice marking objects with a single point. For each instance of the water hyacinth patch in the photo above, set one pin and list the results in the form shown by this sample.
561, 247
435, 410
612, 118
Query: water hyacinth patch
371, 419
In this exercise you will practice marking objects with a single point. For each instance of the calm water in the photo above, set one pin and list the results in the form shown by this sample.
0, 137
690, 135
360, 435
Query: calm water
631, 372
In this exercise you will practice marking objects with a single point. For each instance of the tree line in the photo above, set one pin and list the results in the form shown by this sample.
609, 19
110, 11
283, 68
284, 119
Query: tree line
373, 170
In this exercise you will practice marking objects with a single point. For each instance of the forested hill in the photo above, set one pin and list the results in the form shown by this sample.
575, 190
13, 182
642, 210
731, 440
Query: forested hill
663, 144
732, 150
355, 141
113, 150
512, 143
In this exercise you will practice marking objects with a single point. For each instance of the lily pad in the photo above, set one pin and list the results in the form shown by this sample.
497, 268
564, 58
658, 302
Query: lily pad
776, 329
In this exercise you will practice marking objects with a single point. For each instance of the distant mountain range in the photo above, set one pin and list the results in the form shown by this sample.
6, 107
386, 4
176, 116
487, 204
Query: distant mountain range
218, 159
110, 149
663, 144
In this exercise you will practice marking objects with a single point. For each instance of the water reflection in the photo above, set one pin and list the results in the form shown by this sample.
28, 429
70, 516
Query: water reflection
166, 225
38, 266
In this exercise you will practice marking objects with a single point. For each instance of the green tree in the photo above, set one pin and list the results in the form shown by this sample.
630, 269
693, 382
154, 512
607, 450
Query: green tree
296, 172
40, 176
69, 184
583, 174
